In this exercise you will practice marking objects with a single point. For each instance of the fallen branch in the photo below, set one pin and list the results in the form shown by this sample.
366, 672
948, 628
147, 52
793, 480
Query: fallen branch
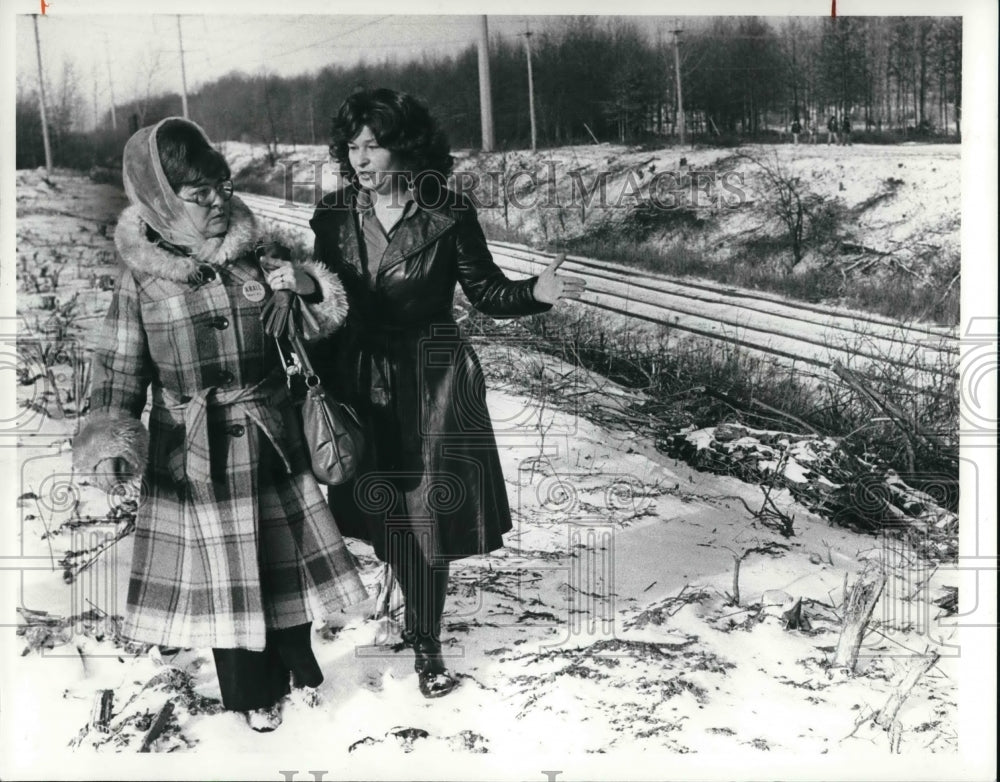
732, 402
914, 433
887, 716
101, 715
158, 726
853, 247
858, 610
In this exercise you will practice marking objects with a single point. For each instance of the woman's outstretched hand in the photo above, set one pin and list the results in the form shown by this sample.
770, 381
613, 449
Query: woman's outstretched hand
284, 276
550, 287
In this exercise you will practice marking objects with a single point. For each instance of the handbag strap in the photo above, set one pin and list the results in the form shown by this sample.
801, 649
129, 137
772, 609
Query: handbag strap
291, 365
310, 377
308, 373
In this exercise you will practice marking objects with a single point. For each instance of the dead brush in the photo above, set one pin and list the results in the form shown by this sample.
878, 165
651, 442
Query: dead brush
660, 612
769, 514
44, 631
41, 274
76, 561
767, 547
892, 419
51, 351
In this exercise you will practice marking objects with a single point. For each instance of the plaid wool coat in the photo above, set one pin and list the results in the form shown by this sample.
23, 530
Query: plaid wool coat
233, 534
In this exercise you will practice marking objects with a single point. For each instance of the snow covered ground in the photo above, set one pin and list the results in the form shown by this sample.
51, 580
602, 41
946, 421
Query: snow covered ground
903, 199
605, 640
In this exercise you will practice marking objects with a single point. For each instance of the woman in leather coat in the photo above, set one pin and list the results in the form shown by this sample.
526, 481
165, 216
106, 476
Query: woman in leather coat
431, 489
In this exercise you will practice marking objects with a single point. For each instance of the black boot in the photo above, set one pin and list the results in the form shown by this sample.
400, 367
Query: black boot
424, 587
433, 677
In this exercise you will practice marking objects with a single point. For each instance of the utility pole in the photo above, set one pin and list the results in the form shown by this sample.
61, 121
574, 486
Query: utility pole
659, 103
531, 91
795, 79
485, 95
111, 83
97, 116
184, 88
680, 95
41, 101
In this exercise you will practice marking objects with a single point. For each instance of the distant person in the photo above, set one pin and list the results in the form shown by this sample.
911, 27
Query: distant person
831, 130
796, 130
402, 243
845, 131
811, 130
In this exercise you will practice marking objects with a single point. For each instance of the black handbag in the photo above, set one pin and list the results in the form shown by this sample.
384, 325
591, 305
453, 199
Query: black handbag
332, 431
331, 428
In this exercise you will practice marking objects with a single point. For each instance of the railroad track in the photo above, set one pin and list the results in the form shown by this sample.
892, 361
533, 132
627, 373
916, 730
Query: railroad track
794, 332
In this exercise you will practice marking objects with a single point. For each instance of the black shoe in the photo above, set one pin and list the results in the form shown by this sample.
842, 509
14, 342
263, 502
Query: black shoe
436, 685
264, 720
433, 678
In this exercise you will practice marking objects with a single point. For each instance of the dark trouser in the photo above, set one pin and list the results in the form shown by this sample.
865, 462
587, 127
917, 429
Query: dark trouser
256, 680
424, 584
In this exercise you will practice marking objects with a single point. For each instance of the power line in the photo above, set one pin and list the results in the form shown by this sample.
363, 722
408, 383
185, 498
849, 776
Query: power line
112, 25
204, 58
329, 40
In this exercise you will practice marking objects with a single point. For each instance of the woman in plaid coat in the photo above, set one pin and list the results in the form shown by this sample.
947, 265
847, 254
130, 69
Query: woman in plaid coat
235, 547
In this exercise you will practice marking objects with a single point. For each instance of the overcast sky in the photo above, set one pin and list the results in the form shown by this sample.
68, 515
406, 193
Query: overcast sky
137, 54
124, 53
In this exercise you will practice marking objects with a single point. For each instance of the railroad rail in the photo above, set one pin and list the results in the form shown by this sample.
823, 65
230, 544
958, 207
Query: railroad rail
800, 333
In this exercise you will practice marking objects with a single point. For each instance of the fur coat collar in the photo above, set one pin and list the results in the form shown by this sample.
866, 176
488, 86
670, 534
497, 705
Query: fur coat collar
142, 256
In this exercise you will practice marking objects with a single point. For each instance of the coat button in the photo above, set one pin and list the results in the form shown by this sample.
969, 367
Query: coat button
237, 430
220, 322
224, 378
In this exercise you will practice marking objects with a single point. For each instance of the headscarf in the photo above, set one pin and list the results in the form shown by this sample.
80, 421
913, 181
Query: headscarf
159, 206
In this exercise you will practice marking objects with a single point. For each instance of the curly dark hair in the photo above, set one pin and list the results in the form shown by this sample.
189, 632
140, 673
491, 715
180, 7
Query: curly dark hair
400, 122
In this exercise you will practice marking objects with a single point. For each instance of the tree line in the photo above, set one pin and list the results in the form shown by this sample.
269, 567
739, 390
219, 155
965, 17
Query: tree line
600, 78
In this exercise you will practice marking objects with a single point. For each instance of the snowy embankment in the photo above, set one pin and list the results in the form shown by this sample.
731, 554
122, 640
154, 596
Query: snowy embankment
901, 202
611, 624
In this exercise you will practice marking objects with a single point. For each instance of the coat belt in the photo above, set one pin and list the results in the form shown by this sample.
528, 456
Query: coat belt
257, 402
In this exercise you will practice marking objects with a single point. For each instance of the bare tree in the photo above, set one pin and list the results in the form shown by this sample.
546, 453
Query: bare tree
142, 83
67, 101
808, 218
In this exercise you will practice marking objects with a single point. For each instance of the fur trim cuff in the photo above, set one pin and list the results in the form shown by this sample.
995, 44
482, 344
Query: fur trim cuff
111, 435
332, 310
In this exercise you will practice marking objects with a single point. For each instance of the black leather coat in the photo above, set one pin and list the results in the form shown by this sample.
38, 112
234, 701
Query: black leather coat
432, 462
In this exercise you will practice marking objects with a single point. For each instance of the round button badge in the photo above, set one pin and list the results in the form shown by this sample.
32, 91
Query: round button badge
253, 290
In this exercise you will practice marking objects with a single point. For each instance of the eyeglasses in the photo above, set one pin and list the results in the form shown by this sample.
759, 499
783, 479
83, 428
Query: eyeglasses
205, 195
